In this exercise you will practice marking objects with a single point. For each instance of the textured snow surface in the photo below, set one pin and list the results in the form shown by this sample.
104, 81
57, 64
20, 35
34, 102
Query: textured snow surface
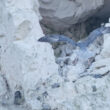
30, 78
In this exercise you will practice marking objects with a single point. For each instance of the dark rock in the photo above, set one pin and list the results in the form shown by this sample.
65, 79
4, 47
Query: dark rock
39, 98
97, 76
56, 85
18, 98
94, 89
45, 94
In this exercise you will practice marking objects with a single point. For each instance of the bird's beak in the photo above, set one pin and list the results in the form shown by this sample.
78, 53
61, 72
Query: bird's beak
42, 39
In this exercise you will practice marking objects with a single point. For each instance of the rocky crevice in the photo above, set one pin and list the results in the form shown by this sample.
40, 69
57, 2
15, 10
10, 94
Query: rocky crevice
79, 23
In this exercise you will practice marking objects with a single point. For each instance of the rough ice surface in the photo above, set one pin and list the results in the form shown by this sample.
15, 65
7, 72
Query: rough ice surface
32, 78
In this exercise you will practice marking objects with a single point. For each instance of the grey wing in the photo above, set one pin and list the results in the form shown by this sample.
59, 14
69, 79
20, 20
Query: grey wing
90, 39
57, 38
49, 39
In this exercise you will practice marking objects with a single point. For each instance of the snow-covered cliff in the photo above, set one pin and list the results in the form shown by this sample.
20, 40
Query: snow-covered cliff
30, 78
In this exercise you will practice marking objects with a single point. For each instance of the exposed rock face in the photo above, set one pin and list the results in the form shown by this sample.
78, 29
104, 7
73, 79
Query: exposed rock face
73, 18
29, 77
60, 15
105, 11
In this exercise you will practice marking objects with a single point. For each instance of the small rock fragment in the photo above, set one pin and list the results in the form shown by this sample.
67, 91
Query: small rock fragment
45, 94
56, 85
94, 89
18, 98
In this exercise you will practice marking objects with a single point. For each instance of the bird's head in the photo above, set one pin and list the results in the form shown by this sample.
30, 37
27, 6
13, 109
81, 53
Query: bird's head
49, 38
